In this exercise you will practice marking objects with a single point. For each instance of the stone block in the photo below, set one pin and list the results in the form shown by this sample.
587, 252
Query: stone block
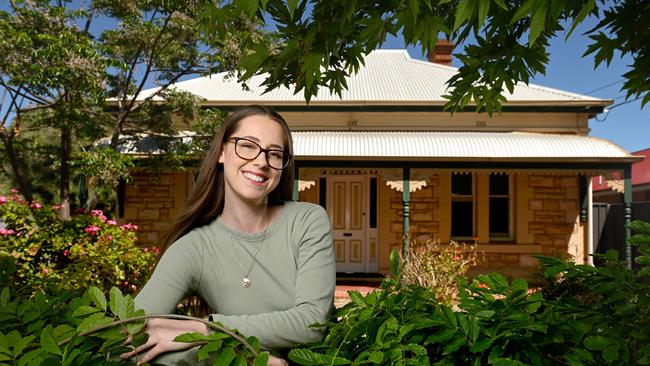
430, 227
551, 205
145, 190
543, 240
540, 181
566, 205
163, 213
148, 214
526, 260
536, 228
157, 204
566, 181
534, 205
543, 192
422, 216
510, 259
396, 227
558, 228
544, 216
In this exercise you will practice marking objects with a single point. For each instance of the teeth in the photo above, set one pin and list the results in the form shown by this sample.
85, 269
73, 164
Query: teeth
254, 177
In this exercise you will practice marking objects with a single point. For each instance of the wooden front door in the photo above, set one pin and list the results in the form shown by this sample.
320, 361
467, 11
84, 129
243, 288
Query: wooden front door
346, 207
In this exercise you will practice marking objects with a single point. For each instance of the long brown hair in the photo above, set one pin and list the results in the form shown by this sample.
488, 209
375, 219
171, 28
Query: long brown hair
207, 197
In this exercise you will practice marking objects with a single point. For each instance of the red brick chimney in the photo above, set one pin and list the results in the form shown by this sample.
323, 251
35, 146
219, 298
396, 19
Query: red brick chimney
441, 54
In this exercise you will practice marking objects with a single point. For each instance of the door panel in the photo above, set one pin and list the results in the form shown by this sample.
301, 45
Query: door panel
346, 207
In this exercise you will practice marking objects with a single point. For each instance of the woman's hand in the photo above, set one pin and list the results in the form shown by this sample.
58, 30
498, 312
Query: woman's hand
274, 361
161, 338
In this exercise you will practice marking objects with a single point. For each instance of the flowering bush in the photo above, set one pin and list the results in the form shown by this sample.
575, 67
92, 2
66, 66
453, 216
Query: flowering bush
439, 267
38, 251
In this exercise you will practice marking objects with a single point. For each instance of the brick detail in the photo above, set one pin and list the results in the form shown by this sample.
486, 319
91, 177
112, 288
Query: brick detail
423, 207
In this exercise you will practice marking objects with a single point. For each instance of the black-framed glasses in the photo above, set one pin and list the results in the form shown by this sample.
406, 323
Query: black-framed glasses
250, 150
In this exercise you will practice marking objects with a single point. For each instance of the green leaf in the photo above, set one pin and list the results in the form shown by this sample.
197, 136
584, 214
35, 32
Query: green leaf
502, 4
97, 296
485, 314
464, 12
21, 343
225, 356
610, 353
48, 341
249, 7
483, 10
376, 357
522, 11
261, 359
4, 297
481, 345
394, 263
191, 338
85, 310
205, 350
450, 315
597, 343
93, 321
291, 6
118, 303
589, 6
356, 297
308, 357
454, 345
441, 336
537, 22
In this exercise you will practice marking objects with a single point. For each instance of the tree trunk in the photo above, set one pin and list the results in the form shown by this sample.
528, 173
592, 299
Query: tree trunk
23, 185
66, 142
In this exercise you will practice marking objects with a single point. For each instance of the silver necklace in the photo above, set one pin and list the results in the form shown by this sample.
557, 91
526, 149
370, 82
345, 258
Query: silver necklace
246, 282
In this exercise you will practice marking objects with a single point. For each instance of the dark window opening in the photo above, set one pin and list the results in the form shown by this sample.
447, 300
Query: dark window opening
462, 206
322, 192
373, 203
499, 206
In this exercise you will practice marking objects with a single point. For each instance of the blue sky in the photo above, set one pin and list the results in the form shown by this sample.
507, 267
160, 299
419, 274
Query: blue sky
626, 125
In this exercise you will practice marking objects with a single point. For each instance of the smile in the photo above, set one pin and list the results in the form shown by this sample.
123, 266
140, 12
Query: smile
254, 177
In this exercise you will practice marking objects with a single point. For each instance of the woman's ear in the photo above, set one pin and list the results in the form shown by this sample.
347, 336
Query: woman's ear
221, 156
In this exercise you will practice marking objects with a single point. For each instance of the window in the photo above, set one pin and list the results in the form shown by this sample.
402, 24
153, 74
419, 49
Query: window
462, 206
500, 206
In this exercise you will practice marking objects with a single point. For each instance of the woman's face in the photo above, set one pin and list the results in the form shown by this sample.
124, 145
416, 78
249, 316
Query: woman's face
251, 181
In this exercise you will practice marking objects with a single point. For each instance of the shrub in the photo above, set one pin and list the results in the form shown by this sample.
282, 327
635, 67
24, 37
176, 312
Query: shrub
59, 329
38, 251
439, 267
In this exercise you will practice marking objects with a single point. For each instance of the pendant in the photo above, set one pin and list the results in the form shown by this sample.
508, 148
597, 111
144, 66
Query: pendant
245, 283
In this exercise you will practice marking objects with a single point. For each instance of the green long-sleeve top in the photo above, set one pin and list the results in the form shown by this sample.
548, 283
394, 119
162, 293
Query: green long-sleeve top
292, 276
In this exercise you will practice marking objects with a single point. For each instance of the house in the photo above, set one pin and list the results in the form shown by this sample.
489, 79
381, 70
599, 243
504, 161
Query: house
609, 189
385, 160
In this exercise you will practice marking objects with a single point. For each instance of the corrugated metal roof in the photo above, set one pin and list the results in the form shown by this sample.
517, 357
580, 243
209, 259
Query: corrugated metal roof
453, 145
388, 77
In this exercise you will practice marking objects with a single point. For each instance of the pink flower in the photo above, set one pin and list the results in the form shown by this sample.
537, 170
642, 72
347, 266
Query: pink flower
111, 222
65, 253
46, 271
5, 232
56, 207
99, 214
110, 237
92, 230
14, 190
35, 205
129, 226
3, 199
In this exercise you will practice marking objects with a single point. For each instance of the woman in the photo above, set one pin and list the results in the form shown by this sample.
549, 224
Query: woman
264, 263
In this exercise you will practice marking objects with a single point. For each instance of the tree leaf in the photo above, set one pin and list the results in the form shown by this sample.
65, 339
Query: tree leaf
261, 359
225, 357
537, 22
97, 296
597, 343
117, 303
191, 337
303, 356
205, 350
84, 310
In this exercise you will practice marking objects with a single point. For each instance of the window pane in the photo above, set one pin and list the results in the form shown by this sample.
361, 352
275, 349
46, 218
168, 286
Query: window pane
461, 184
499, 215
499, 185
462, 217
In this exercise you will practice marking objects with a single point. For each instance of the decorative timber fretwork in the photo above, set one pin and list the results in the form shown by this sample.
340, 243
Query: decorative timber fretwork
395, 180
